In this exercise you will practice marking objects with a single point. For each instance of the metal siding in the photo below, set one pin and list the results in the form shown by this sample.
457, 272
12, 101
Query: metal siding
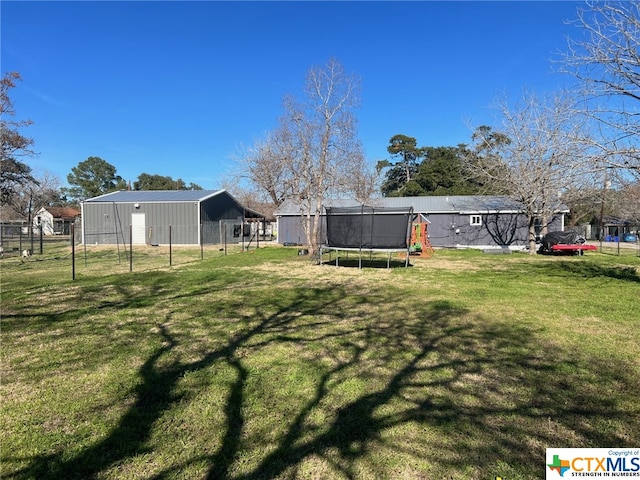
219, 215
440, 229
221, 207
291, 230
181, 216
466, 234
103, 224
108, 223
557, 223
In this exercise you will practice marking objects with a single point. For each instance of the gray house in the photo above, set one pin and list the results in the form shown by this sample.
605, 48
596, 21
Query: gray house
453, 221
191, 217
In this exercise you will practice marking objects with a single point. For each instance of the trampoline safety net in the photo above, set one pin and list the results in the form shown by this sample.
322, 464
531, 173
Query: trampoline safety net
368, 227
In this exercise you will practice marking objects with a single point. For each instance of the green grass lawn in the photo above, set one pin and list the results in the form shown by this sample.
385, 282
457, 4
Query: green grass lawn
262, 365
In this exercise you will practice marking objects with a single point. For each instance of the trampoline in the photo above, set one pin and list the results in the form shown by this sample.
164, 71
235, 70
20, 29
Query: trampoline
367, 229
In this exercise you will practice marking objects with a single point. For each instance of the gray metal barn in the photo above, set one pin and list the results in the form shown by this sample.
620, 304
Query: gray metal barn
474, 221
193, 217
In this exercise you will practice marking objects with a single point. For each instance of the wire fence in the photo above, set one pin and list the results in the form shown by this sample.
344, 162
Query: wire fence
221, 232
21, 245
18, 240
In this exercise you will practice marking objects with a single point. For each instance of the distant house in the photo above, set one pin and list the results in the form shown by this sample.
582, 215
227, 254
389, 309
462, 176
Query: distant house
453, 221
55, 220
615, 229
160, 217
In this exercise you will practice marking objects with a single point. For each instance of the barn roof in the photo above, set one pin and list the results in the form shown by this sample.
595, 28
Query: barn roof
425, 204
163, 196
127, 196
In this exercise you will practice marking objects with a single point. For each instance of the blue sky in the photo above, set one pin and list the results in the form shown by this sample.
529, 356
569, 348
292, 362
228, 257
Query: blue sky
176, 88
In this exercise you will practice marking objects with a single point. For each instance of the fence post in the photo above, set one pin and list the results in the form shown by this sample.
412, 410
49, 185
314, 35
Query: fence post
130, 248
73, 253
170, 256
201, 242
40, 228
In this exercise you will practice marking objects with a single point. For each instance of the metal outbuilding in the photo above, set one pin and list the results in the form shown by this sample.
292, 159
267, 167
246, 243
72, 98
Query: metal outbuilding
160, 217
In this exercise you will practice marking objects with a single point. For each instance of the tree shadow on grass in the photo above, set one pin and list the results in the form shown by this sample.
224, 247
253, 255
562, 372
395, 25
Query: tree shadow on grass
445, 393
155, 395
492, 395
591, 270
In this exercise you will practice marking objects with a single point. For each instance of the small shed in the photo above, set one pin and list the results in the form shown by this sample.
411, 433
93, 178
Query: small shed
160, 217
55, 220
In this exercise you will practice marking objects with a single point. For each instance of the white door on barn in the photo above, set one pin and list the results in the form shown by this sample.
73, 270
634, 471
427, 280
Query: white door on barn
138, 227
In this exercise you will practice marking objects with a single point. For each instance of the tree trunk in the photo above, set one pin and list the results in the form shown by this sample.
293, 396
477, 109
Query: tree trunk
532, 235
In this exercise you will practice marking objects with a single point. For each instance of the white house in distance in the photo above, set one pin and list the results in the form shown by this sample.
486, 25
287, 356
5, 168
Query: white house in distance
55, 220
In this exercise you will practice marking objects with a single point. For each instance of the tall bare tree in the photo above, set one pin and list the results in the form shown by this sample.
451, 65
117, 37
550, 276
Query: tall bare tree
14, 173
267, 167
538, 153
606, 61
314, 154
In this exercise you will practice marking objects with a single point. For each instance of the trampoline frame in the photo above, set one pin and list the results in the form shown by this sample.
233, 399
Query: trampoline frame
388, 251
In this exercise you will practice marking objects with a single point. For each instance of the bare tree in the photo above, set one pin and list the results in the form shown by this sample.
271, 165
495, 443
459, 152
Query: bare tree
14, 173
314, 154
329, 152
267, 168
606, 60
630, 199
539, 152
33, 195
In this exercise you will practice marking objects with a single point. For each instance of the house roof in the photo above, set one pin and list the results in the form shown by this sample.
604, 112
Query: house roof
424, 204
128, 196
66, 213
616, 221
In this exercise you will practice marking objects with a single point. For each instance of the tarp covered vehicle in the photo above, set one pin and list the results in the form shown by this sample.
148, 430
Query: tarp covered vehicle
564, 242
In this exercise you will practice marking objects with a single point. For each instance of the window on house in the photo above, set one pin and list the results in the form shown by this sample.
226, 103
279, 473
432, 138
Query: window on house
476, 220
